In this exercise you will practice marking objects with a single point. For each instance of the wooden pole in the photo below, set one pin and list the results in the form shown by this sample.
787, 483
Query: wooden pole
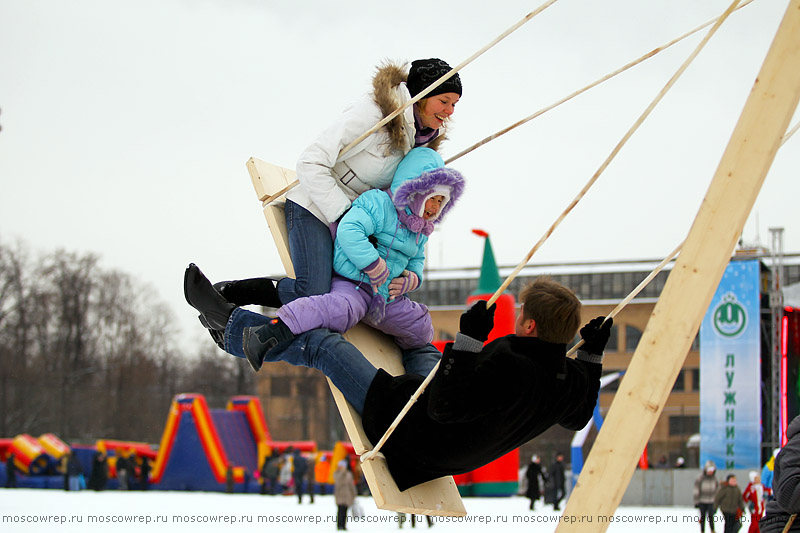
614, 152
690, 287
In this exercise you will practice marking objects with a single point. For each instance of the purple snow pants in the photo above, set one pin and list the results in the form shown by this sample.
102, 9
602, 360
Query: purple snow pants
348, 303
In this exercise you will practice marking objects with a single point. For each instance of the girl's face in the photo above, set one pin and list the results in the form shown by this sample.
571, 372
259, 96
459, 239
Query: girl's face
437, 109
432, 206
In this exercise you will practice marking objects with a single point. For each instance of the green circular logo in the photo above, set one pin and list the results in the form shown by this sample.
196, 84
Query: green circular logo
730, 317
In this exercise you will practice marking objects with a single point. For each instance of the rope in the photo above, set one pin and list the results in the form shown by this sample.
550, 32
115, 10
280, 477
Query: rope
646, 281
424, 385
789, 133
614, 152
444, 78
372, 453
411, 401
605, 78
789, 523
425, 92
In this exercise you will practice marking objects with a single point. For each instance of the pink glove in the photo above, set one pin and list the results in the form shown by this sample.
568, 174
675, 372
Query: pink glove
407, 282
378, 273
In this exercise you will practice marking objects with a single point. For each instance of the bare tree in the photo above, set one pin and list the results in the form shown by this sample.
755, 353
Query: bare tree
90, 353
218, 376
16, 309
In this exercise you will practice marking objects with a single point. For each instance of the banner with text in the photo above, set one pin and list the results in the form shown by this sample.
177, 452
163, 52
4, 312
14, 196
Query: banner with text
730, 371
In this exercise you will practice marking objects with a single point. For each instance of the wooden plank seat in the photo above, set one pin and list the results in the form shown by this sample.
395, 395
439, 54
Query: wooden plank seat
438, 497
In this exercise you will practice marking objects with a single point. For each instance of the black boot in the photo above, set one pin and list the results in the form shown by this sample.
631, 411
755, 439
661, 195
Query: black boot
258, 291
259, 340
199, 293
217, 335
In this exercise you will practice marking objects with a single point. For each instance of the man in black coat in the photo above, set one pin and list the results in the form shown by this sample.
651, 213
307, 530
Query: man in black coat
144, 474
559, 480
483, 402
488, 400
99, 476
299, 475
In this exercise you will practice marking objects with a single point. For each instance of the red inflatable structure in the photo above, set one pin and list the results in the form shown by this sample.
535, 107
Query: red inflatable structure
201, 447
500, 477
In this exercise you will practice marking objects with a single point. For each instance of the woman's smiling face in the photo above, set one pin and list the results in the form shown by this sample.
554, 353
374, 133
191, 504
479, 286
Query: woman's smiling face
435, 110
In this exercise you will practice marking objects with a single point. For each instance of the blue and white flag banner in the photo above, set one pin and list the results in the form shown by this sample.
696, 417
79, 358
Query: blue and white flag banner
730, 371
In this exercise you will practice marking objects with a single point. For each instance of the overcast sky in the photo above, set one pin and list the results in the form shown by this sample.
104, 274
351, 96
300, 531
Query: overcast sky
126, 125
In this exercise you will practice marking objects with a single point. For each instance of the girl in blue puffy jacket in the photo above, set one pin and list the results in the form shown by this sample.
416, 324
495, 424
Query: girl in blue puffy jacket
379, 256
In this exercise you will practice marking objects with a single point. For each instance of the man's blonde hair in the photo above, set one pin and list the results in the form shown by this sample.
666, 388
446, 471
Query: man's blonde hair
555, 309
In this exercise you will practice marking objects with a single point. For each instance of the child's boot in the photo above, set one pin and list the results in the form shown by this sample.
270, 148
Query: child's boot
259, 340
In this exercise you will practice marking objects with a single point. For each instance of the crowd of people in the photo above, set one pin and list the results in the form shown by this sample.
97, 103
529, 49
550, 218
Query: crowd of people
539, 482
767, 503
288, 472
132, 472
771, 498
292, 473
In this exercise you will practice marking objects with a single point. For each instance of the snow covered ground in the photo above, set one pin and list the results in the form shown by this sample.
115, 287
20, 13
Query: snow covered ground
56, 511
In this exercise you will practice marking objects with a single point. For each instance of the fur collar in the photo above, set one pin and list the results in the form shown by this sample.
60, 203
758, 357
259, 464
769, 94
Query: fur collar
384, 84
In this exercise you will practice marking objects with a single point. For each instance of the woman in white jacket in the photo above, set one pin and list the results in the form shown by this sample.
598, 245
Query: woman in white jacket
329, 183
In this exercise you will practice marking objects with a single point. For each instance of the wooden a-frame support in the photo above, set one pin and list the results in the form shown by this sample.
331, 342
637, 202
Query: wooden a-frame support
438, 497
691, 284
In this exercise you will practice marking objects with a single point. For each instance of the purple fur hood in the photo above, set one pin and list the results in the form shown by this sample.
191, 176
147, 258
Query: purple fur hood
420, 175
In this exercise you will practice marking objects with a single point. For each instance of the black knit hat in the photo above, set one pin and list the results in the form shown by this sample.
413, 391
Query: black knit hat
424, 72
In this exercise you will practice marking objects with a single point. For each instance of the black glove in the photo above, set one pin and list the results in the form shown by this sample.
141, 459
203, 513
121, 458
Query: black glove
595, 335
477, 321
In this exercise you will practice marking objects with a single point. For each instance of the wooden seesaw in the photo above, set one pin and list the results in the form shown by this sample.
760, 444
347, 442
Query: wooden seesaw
438, 497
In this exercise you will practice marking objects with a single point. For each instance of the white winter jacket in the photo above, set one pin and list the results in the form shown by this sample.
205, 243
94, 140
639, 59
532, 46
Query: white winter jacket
328, 183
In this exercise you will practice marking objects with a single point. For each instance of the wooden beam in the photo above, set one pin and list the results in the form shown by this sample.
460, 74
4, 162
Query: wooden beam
691, 285
437, 497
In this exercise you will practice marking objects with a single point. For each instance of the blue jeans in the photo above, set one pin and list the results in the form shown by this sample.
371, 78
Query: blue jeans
328, 352
311, 248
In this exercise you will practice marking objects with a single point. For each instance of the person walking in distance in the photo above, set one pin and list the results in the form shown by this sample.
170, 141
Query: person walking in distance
559, 480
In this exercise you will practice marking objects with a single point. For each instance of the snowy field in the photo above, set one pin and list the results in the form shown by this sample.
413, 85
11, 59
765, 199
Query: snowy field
55, 511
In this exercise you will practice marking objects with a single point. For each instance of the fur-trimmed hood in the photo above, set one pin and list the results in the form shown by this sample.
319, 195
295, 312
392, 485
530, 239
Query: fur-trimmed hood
329, 181
389, 92
419, 175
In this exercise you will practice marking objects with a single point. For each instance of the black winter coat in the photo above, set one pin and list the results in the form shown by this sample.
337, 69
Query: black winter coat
479, 406
99, 476
558, 475
300, 466
532, 474
785, 484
